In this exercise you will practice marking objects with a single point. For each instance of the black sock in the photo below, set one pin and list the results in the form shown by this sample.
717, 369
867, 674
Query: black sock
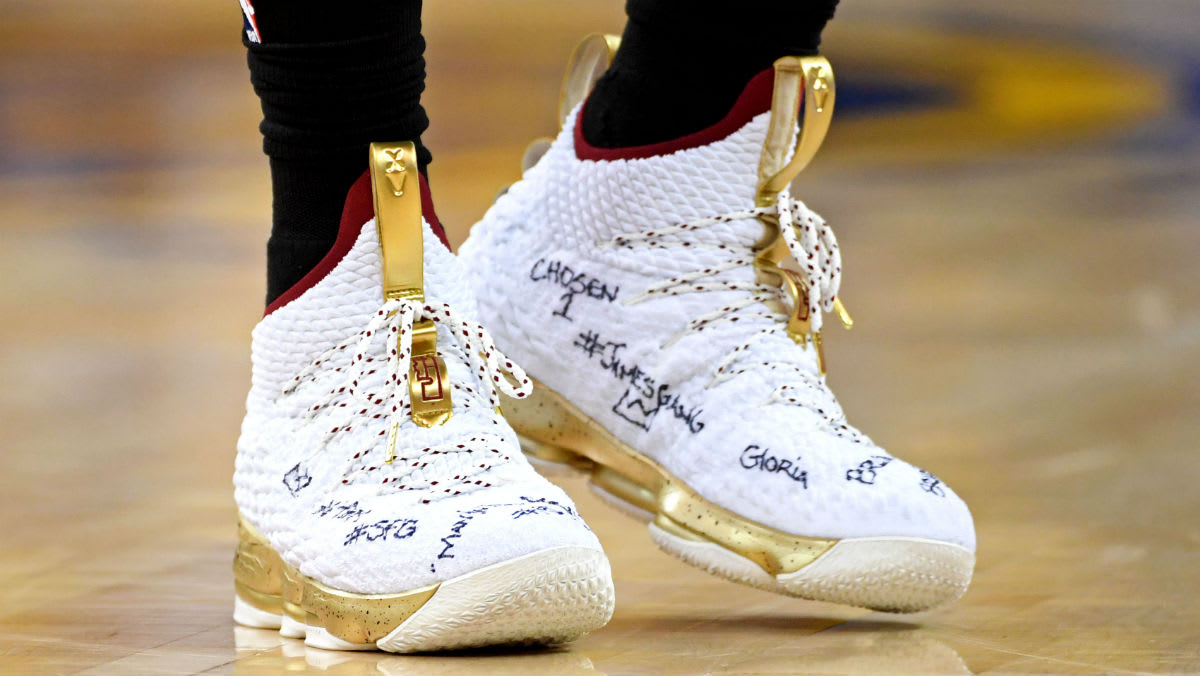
331, 77
683, 63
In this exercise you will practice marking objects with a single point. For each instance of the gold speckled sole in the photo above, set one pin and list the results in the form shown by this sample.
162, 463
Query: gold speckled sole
897, 574
549, 596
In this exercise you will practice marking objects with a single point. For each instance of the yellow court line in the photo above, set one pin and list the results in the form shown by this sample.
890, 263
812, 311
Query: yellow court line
1011, 93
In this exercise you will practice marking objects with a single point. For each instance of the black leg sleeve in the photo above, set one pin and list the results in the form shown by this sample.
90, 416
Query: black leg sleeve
682, 63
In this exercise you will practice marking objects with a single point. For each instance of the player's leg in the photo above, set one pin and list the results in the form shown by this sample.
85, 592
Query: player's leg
331, 78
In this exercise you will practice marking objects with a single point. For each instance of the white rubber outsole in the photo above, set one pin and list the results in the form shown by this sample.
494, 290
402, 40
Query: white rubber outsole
892, 574
547, 597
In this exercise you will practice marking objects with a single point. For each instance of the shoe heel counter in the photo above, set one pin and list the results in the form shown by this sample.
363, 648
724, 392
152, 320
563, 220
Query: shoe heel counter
257, 571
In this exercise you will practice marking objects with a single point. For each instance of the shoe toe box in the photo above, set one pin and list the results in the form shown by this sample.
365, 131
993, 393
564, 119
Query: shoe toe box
400, 543
785, 471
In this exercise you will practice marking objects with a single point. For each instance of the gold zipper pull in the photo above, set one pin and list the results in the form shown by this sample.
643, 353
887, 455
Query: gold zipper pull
396, 187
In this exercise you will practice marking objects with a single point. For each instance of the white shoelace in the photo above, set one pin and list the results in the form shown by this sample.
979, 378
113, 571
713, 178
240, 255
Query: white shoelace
815, 248
811, 243
394, 323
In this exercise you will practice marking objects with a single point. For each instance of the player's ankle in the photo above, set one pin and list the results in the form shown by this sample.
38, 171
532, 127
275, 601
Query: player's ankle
329, 84
682, 64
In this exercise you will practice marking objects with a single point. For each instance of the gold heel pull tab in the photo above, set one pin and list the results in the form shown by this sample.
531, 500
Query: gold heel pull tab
397, 191
820, 345
428, 379
799, 324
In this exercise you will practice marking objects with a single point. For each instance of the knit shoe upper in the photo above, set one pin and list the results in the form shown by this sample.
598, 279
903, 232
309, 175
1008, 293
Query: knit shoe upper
625, 280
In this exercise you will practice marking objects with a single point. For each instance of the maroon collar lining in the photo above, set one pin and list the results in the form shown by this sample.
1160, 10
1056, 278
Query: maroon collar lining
754, 100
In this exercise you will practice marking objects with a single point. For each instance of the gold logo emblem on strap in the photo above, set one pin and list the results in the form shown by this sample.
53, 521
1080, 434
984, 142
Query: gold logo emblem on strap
396, 188
812, 77
395, 171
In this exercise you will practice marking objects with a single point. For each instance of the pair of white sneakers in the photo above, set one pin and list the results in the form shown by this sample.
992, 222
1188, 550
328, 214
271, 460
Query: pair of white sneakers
668, 303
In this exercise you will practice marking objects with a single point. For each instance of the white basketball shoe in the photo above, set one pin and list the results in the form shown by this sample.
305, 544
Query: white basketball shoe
676, 342
384, 501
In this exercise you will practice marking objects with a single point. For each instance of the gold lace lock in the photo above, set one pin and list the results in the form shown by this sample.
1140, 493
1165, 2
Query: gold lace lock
843, 314
428, 379
808, 80
819, 345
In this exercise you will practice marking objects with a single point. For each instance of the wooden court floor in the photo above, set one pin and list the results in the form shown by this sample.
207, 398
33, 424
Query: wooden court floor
1021, 256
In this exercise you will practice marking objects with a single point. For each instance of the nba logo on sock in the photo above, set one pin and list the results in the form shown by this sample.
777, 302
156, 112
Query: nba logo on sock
249, 22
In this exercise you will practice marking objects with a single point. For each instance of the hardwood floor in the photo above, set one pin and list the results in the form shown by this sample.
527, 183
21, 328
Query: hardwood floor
1021, 245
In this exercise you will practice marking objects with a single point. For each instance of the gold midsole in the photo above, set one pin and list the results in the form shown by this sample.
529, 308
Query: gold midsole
264, 581
551, 428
